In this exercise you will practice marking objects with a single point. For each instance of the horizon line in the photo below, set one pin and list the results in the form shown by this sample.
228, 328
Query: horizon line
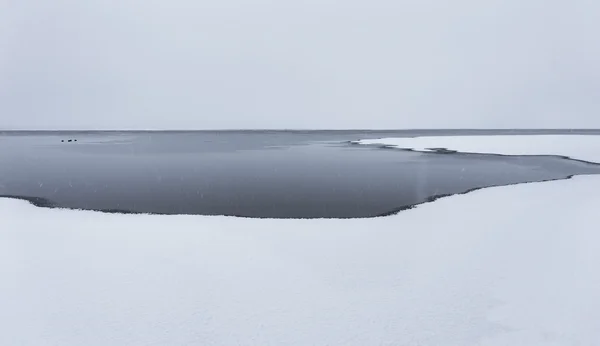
303, 129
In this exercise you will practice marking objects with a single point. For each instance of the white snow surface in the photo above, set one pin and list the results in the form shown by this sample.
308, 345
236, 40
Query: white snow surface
580, 147
513, 266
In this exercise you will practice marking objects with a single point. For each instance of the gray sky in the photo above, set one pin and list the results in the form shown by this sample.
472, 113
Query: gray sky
197, 64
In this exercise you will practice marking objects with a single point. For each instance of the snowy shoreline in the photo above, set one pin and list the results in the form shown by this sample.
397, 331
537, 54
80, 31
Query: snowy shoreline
578, 147
498, 266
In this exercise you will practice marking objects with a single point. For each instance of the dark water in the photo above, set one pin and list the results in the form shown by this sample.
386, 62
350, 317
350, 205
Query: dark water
277, 174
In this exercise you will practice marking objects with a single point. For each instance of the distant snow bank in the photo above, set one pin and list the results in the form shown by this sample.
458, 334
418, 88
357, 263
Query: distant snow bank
515, 265
579, 147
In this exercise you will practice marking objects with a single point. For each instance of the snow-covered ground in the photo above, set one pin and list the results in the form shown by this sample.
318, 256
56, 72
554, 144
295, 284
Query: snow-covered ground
512, 266
580, 147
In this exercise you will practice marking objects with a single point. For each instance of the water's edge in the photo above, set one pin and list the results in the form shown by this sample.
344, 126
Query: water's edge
257, 174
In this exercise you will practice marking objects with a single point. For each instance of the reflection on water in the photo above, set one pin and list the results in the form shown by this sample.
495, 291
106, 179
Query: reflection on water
254, 174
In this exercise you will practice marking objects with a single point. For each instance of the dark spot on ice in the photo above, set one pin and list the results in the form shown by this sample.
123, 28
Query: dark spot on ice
442, 150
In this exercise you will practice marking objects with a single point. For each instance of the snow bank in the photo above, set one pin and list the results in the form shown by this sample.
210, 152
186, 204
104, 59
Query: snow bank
502, 266
580, 147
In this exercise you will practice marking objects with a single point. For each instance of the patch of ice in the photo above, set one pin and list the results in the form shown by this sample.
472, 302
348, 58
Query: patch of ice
580, 147
511, 266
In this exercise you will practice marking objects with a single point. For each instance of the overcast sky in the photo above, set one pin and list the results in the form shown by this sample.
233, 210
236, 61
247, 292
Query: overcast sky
197, 64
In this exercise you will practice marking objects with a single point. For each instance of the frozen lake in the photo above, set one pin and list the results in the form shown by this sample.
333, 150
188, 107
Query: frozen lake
267, 174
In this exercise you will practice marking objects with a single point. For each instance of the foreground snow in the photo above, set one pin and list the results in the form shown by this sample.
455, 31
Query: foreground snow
581, 147
502, 266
